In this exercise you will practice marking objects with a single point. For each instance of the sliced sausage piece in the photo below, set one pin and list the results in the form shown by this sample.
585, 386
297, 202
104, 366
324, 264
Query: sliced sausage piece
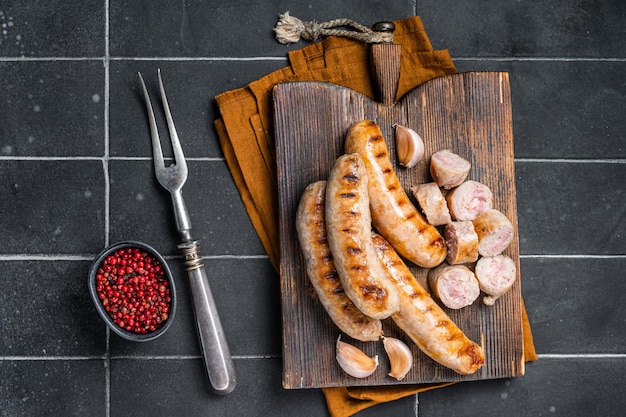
454, 285
468, 200
462, 242
495, 232
448, 169
349, 232
433, 203
424, 321
393, 214
496, 275
320, 268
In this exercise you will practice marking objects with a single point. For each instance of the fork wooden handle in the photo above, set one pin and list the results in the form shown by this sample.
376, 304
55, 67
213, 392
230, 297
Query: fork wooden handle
217, 359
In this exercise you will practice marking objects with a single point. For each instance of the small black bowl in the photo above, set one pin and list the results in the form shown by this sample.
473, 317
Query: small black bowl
126, 334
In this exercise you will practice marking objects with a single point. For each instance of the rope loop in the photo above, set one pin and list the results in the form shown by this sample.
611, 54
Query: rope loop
290, 29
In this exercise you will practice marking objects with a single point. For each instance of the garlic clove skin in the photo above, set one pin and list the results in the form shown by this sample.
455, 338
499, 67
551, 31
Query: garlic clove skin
400, 357
354, 361
409, 146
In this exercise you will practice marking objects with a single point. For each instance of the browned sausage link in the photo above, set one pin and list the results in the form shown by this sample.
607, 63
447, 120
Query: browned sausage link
424, 321
320, 267
348, 224
393, 214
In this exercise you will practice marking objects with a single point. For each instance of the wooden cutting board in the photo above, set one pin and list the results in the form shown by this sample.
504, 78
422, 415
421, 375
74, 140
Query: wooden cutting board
467, 113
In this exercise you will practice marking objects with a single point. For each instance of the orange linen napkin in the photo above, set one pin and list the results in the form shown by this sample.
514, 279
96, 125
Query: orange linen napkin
245, 132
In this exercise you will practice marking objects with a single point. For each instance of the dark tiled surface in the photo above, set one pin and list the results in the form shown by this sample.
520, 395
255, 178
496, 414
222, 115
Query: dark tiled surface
556, 29
76, 174
551, 387
52, 206
52, 28
52, 108
576, 304
53, 387
235, 28
51, 316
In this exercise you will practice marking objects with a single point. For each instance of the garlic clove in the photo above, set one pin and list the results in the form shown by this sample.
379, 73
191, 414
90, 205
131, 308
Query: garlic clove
354, 361
409, 146
400, 357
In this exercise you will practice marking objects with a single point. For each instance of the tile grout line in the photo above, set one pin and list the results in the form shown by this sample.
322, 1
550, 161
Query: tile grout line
89, 257
284, 58
568, 356
416, 396
221, 159
107, 194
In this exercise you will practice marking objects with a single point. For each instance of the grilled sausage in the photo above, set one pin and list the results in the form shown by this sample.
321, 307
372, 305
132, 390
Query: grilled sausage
348, 224
433, 203
495, 232
496, 275
454, 285
393, 214
468, 200
320, 268
424, 321
462, 242
448, 169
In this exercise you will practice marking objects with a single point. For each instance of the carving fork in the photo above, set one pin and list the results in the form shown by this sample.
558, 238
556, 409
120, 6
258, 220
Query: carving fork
215, 351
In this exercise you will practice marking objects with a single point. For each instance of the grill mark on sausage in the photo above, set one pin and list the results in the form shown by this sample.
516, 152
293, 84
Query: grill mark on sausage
327, 257
474, 353
354, 250
443, 323
322, 240
351, 177
338, 291
332, 276
373, 291
347, 195
351, 214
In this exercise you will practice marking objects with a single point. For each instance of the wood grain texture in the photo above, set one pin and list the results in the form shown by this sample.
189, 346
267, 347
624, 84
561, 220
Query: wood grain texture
467, 113
385, 60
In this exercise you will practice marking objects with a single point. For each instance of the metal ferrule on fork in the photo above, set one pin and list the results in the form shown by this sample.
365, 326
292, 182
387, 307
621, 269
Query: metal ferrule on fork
191, 254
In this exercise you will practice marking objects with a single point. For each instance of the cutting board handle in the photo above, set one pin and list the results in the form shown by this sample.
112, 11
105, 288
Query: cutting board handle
386, 65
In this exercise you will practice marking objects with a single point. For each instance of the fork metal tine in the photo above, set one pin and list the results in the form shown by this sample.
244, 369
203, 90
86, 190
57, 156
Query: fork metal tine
154, 131
179, 157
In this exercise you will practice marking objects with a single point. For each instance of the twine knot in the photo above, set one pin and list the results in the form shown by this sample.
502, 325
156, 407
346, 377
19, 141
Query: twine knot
290, 29
310, 31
